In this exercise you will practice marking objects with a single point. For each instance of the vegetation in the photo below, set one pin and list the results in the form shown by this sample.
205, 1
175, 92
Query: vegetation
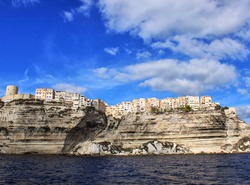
187, 108
154, 110
217, 107
89, 108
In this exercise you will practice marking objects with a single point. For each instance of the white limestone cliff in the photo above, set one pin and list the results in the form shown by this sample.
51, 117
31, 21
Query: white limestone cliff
49, 128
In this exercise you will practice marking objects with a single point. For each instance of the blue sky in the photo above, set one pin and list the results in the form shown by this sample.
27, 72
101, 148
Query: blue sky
125, 49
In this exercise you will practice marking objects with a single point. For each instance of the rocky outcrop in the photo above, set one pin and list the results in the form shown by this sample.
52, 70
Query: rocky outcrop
108, 148
54, 128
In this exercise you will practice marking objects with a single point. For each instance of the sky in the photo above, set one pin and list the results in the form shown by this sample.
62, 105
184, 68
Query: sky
119, 50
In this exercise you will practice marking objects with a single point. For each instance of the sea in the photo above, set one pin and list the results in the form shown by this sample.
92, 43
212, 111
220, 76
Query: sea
153, 170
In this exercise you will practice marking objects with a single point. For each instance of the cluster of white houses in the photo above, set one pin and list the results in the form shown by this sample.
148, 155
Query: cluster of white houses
50, 95
166, 104
75, 99
137, 105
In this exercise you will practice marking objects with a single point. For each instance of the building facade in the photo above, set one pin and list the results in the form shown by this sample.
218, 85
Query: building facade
46, 94
12, 94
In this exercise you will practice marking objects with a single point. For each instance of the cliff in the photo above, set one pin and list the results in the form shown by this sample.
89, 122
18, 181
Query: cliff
53, 128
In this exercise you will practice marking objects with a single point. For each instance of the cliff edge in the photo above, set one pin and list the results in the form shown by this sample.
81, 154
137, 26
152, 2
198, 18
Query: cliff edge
54, 128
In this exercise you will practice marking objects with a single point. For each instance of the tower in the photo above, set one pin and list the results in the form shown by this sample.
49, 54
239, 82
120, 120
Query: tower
11, 90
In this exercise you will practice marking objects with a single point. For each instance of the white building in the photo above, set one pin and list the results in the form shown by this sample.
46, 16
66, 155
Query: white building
46, 94
193, 101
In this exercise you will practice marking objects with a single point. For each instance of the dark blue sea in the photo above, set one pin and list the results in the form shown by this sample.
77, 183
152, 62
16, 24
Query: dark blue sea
168, 169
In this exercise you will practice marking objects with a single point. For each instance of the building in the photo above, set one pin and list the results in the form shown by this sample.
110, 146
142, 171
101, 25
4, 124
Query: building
46, 94
11, 90
193, 101
68, 97
139, 105
206, 100
60, 96
99, 105
127, 107
166, 104
83, 101
152, 103
12, 94
171, 103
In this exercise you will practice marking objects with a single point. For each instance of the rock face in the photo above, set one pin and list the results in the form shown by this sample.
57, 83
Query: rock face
50, 128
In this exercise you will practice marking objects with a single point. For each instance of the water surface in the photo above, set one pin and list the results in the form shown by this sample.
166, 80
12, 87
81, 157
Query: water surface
168, 169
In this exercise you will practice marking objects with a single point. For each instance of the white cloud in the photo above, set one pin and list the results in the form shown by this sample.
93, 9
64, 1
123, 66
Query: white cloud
42, 77
242, 91
69, 88
128, 51
68, 16
84, 9
161, 52
111, 51
187, 23
244, 88
164, 18
245, 33
102, 72
192, 77
26, 77
217, 49
19, 3
247, 79
243, 111
143, 55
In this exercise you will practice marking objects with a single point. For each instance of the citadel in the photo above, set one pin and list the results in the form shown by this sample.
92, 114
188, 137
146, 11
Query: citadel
141, 105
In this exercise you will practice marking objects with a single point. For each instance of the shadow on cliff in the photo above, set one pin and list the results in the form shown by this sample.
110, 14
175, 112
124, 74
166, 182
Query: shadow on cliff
90, 126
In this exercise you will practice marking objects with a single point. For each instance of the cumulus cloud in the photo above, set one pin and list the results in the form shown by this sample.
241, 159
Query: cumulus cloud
69, 88
143, 55
195, 28
164, 18
217, 49
243, 111
19, 3
191, 77
111, 51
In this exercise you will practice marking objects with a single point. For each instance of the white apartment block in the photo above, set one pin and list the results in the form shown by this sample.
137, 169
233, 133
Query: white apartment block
127, 106
139, 105
206, 100
152, 103
171, 103
166, 104
193, 101
83, 101
46, 94
66, 96
143, 105
60, 96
